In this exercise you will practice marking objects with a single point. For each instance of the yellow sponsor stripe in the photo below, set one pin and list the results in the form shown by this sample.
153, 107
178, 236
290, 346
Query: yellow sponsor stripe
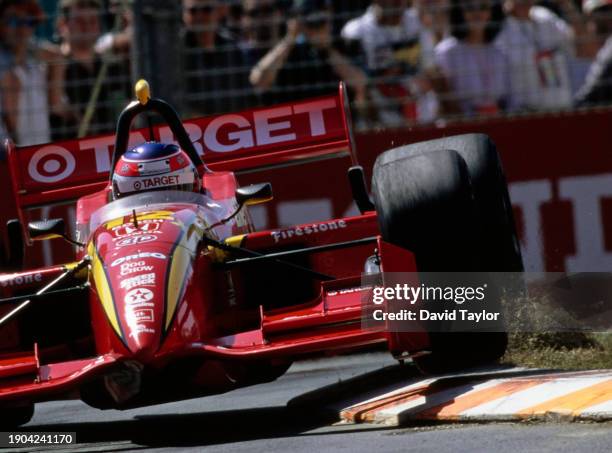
574, 402
181, 265
114, 223
220, 256
153, 215
156, 215
103, 288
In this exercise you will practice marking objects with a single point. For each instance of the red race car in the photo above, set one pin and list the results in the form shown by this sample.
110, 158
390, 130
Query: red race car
172, 294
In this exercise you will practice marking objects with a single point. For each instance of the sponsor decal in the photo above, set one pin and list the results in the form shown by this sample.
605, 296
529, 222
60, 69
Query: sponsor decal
348, 291
268, 127
51, 164
130, 184
134, 268
138, 296
143, 315
138, 280
140, 328
123, 259
136, 240
18, 280
158, 181
225, 133
144, 226
307, 230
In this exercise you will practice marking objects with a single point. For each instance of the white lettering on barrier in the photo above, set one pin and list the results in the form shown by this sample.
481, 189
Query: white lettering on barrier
586, 194
529, 197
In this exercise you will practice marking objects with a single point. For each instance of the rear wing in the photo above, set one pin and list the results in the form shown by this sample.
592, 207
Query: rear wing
251, 140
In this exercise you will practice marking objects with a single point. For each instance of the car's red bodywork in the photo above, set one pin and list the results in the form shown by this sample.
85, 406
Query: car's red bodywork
161, 318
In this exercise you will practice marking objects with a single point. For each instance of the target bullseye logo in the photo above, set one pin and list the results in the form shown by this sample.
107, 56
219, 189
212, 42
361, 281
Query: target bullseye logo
51, 164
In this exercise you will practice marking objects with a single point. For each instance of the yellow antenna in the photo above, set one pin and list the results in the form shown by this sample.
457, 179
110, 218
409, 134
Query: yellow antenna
143, 92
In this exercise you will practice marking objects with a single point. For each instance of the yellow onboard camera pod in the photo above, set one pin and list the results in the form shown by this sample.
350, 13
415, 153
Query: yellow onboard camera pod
143, 91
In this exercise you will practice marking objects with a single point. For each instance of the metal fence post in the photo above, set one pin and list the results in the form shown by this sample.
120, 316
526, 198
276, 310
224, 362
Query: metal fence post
157, 49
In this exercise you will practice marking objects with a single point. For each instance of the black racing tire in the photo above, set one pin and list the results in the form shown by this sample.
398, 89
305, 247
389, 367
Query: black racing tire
439, 205
14, 417
501, 250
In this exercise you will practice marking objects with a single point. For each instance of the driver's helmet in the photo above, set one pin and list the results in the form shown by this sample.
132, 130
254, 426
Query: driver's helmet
154, 166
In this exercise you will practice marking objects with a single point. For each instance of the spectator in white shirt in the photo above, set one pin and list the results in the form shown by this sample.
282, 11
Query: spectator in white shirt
399, 52
538, 45
476, 72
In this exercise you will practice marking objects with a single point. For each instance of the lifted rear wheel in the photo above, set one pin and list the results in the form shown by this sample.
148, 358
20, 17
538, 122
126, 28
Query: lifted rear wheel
447, 201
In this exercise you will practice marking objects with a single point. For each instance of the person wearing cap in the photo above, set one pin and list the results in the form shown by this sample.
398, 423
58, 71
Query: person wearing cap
597, 89
30, 79
399, 57
78, 26
215, 77
306, 63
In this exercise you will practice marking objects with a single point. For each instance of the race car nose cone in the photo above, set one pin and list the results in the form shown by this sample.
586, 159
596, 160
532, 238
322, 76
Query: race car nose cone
145, 353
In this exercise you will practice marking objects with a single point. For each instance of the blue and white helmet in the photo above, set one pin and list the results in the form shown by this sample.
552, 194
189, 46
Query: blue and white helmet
154, 166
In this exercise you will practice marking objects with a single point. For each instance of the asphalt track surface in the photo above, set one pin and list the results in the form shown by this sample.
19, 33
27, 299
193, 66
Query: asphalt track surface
257, 419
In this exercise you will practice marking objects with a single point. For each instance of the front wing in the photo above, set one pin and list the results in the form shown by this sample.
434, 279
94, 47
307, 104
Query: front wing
333, 322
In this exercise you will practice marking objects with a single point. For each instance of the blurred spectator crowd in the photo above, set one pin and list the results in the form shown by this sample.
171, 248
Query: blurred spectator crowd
404, 62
